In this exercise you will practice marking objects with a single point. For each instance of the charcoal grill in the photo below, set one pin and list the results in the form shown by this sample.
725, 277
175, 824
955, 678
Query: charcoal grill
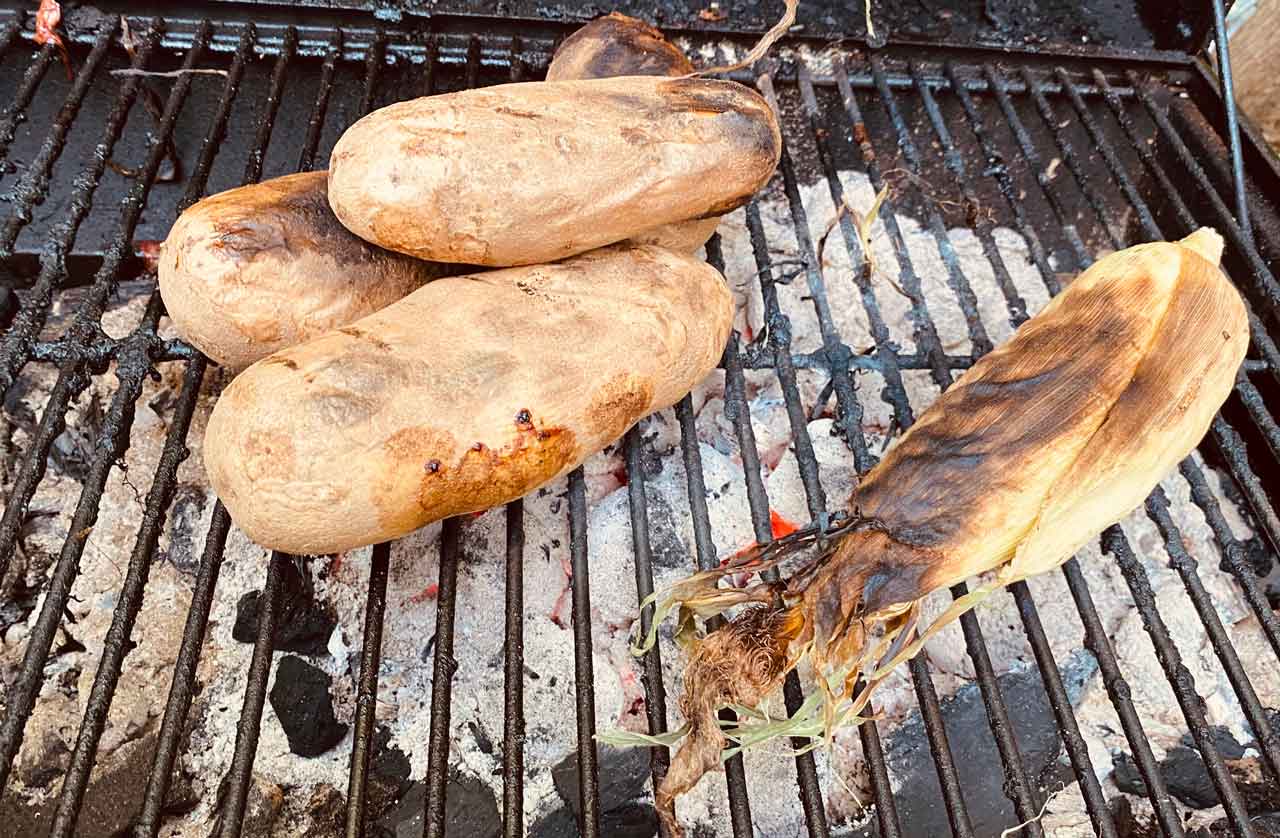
985, 106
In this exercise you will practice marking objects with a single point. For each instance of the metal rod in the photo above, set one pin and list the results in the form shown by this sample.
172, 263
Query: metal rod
849, 410
655, 697
22, 96
807, 462
1184, 688
116, 644
1185, 565
1099, 644
1017, 785
924, 331
705, 550
956, 279
26, 326
943, 761
181, 689
307, 158
231, 817
34, 184
1077, 751
366, 718
442, 671
584, 677
1263, 282
891, 363
513, 678
267, 119
1238, 182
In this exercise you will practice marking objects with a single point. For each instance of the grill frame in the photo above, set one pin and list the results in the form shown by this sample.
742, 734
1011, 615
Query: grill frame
84, 348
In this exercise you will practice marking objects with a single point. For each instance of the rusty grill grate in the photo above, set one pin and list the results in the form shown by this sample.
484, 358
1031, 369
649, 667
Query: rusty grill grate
1136, 144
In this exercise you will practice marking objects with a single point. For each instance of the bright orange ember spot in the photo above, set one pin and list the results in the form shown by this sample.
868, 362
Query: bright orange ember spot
780, 526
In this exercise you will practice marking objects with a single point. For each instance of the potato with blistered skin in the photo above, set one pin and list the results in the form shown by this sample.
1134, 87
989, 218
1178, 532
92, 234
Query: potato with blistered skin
617, 45
252, 270
468, 393
520, 174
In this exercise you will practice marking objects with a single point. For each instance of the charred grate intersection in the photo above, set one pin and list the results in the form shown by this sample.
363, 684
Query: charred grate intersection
1077, 157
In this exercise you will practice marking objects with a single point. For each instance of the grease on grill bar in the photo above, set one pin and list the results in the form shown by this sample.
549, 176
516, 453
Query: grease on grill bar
1002, 184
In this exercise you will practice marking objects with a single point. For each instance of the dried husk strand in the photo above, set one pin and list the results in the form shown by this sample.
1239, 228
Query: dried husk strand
762, 47
1046, 441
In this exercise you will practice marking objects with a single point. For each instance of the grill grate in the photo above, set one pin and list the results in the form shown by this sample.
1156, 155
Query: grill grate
892, 112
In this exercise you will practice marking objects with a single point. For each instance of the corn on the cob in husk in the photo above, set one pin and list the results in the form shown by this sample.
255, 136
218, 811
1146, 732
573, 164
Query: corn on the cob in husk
1043, 443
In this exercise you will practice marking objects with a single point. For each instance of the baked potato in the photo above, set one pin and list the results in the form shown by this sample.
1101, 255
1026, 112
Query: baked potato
466, 394
252, 270
526, 173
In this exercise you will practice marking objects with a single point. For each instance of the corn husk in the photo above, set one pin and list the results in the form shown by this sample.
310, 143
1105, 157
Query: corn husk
1047, 440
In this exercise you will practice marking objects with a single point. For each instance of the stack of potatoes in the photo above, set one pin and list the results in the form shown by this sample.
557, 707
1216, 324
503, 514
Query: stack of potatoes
485, 288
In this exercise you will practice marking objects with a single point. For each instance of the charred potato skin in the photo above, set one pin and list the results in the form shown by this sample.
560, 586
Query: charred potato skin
255, 269
528, 173
617, 45
410, 415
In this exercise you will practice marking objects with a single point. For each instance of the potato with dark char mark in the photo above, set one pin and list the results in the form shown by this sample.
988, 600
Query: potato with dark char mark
520, 174
468, 393
1040, 445
617, 45
255, 269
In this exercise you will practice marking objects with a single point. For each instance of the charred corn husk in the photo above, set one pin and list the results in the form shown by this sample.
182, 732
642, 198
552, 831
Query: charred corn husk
1047, 440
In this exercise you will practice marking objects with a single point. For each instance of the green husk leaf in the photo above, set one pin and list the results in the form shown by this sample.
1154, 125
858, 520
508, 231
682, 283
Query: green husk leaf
620, 738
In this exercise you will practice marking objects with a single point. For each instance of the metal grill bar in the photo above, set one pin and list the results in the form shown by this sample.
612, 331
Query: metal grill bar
1157, 505
1077, 751
1180, 679
997, 169
367, 690
779, 329
982, 224
584, 677
184, 674
848, 410
110, 445
513, 678
35, 181
1097, 642
116, 644
267, 120
889, 360
17, 340
179, 701
655, 696
923, 330
1221, 42
231, 816
936, 732
513, 682
1188, 702
956, 279
739, 416
443, 668
22, 96
370, 658
306, 160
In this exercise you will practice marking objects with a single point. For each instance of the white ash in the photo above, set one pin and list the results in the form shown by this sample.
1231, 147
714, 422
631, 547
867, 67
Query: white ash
406, 666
